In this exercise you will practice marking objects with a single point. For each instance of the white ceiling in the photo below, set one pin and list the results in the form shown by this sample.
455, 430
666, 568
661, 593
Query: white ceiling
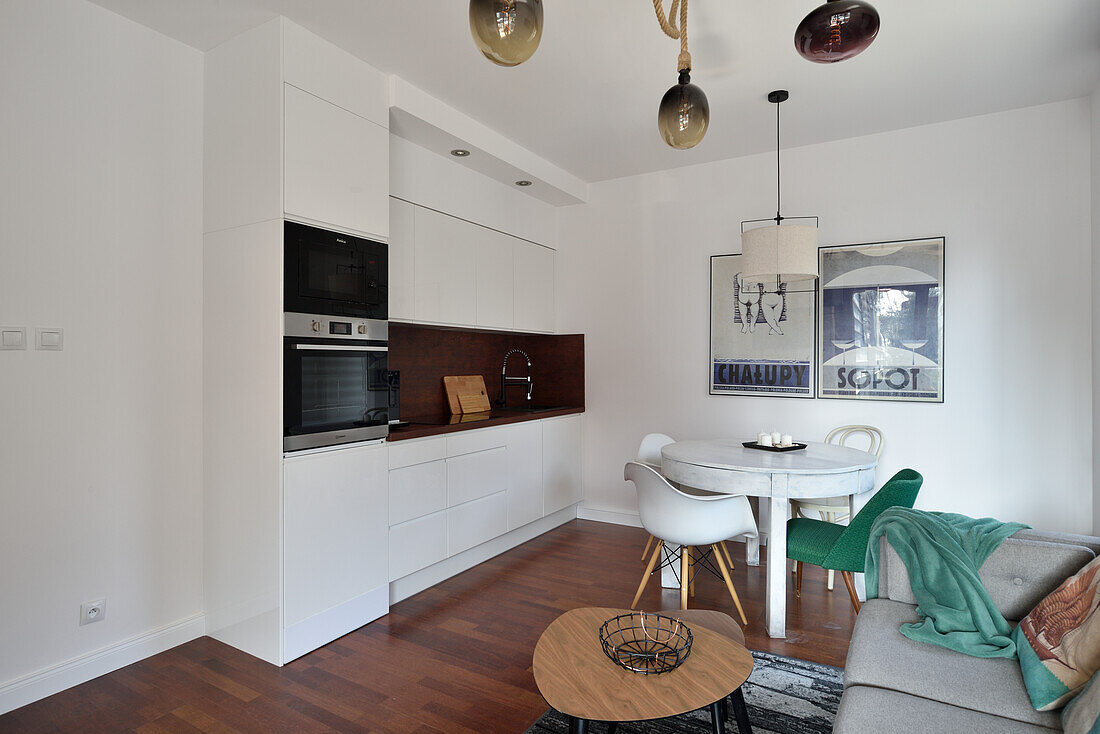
587, 100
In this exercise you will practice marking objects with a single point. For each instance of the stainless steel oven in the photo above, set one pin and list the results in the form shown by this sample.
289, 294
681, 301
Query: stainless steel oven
337, 386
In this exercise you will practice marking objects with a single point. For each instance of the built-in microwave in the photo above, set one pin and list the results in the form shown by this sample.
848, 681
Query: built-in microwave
337, 385
332, 273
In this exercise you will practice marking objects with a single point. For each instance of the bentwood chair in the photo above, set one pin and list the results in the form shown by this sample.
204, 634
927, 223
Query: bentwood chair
835, 509
696, 523
844, 548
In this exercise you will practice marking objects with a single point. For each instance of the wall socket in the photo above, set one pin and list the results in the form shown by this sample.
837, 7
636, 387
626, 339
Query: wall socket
93, 611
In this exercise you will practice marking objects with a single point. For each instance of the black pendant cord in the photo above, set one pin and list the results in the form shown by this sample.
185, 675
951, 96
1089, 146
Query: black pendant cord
778, 170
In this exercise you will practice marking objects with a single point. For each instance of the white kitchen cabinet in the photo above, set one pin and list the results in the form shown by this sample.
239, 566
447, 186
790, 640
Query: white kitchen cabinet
417, 490
417, 544
561, 462
495, 279
401, 283
336, 165
534, 287
444, 269
476, 475
524, 473
335, 545
474, 523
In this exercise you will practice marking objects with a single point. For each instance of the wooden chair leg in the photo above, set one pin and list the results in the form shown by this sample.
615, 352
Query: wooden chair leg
850, 583
798, 579
729, 559
729, 585
645, 553
691, 572
648, 571
685, 569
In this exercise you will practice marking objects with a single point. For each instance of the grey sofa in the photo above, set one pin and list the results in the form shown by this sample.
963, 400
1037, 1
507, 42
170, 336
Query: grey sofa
893, 684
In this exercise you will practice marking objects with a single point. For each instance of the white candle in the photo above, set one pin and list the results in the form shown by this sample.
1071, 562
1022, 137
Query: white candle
765, 439
776, 437
787, 440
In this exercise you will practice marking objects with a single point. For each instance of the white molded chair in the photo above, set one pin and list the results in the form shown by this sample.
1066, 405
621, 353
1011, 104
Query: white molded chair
689, 521
835, 509
649, 452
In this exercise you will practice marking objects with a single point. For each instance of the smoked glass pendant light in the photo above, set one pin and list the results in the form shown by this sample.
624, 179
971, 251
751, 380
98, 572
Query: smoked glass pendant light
837, 30
684, 113
784, 252
506, 31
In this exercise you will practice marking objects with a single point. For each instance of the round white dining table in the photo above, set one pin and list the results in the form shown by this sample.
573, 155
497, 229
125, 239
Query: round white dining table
820, 470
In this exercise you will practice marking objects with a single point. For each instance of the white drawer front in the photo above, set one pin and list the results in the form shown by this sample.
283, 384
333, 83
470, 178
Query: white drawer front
417, 544
417, 490
476, 475
476, 522
417, 451
467, 442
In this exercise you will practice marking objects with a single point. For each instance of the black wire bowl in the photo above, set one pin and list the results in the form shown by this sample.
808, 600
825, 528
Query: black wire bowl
646, 643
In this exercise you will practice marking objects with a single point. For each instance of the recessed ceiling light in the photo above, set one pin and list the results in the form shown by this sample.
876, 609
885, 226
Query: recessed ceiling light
460, 152
523, 182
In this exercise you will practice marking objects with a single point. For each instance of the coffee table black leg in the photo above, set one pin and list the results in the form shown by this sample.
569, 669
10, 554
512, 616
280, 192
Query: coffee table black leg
740, 712
716, 717
725, 712
577, 726
612, 727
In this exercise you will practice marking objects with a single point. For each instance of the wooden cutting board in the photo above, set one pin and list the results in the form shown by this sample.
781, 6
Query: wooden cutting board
466, 393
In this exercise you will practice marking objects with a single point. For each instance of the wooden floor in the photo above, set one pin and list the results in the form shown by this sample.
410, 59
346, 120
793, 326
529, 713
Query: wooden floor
455, 658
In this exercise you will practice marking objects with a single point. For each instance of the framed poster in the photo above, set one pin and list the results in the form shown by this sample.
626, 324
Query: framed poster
881, 321
761, 334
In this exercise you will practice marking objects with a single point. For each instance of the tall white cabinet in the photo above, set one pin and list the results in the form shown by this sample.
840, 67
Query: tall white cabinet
295, 554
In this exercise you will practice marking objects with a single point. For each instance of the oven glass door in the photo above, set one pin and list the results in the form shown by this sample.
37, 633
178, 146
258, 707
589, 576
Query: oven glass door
334, 392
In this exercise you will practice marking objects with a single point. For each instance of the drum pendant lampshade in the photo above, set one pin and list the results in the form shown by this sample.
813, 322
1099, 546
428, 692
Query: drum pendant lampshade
787, 251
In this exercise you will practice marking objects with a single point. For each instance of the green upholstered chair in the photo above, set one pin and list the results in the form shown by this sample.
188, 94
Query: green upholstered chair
844, 547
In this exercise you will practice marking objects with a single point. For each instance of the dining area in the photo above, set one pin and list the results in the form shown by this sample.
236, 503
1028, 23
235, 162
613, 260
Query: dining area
810, 503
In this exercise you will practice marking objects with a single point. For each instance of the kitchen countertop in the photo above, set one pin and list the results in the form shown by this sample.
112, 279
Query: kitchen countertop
440, 424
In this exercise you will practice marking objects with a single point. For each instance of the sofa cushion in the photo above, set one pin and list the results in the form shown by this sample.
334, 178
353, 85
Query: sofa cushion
881, 656
1059, 640
865, 709
1017, 575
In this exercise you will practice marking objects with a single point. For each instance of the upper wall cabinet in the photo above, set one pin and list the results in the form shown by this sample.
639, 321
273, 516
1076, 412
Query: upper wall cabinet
336, 167
294, 127
445, 270
534, 287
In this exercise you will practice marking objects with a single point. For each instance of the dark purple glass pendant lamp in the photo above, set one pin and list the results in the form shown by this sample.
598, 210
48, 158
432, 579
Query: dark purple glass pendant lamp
837, 30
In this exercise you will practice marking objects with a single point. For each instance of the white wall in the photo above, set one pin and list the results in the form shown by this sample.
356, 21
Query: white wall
101, 234
442, 183
1096, 304
1011, 194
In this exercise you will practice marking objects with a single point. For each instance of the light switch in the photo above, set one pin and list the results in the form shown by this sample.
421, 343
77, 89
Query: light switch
48, 338
13, 337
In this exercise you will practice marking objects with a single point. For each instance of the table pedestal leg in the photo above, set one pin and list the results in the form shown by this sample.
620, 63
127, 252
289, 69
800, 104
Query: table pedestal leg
752, 551
577, 726
776, 605
741, 712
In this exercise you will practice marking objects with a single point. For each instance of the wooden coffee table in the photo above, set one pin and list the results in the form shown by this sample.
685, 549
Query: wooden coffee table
578, 679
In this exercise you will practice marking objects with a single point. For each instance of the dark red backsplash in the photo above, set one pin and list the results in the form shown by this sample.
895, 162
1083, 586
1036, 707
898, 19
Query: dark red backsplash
424, 354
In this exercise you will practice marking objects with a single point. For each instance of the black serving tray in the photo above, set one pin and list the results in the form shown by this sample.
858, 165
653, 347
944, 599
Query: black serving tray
779, 449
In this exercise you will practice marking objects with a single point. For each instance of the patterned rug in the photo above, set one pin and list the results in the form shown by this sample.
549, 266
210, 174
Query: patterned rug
783, 695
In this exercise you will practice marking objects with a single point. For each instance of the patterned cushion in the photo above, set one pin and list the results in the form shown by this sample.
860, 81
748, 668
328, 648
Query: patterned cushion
811, 540
1059, 640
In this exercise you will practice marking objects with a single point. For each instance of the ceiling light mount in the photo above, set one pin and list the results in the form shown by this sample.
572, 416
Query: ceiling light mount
460, 152
523, 182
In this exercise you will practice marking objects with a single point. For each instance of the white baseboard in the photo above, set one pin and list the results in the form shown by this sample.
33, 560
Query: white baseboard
56, 678
326, 626
609, 516
417, 581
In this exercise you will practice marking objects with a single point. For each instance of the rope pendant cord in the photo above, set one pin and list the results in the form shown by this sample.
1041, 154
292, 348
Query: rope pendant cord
684, 60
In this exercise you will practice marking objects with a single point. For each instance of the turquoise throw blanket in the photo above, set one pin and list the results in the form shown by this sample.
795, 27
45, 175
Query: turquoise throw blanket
943, 553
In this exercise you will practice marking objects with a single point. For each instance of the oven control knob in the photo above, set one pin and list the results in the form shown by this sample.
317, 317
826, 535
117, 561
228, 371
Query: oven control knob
316, 325
362, 328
